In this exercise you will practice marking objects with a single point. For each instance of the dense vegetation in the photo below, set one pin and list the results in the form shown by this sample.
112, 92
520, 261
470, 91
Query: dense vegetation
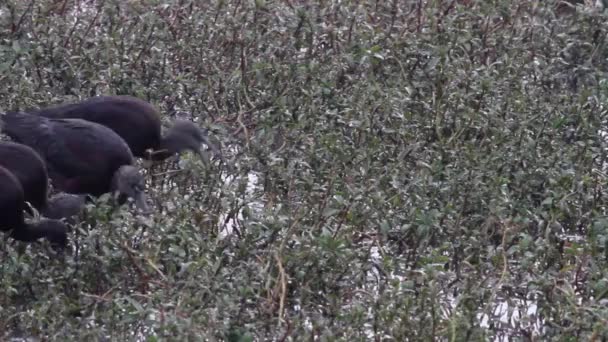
399, 169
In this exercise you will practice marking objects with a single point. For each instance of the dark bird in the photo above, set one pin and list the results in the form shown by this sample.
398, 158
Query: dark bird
82, 157
12, 219
31, 172
138, 123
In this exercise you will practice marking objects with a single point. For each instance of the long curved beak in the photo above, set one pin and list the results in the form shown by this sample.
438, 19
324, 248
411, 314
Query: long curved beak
214, 148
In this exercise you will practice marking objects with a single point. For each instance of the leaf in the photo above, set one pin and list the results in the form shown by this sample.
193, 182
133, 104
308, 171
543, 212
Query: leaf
16, 47
331, 212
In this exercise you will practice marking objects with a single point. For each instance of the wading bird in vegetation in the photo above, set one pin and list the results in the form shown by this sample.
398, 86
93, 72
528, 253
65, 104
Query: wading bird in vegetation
31, 172
138, 123
82, 157
12, 219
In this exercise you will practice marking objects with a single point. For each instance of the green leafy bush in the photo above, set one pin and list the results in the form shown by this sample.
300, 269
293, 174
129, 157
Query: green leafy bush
401, 170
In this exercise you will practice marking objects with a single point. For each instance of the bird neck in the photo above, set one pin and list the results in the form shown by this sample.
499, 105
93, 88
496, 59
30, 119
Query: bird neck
116, 195
53, 230
63, 205
165, 150
29, 232
114, 188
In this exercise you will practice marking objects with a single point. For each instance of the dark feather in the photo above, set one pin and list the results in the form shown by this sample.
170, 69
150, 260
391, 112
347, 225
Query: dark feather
81, 156
12, 205
137, 122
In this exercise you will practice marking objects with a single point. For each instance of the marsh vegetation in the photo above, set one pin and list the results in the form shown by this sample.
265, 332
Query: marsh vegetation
400, 170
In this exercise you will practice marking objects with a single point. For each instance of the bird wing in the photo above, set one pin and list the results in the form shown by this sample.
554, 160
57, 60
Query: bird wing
53, 143
135, 120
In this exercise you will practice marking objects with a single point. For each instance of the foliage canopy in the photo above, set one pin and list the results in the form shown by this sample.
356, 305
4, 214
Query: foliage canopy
402, 170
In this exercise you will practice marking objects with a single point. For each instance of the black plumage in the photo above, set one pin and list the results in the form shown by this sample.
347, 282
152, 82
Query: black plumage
138, 123
82, 157
12, 206
30, 169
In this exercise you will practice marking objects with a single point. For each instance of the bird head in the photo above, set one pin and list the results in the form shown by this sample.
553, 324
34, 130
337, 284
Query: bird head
129, 182
187, 136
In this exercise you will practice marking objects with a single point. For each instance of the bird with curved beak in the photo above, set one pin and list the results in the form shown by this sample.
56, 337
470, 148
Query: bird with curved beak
139, 124
82, 157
